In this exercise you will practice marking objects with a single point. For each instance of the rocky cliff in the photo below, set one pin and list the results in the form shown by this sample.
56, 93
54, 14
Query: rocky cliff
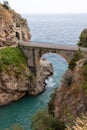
16, 79
12, 27
44, 71
70, 100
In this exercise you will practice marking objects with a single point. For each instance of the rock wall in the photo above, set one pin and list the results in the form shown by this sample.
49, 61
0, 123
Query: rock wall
44, 71
14, 85
12, 27
70, 100
14, 75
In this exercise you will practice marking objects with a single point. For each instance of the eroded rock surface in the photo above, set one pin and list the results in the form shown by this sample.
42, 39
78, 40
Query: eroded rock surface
44, 70
70, 99
12, 27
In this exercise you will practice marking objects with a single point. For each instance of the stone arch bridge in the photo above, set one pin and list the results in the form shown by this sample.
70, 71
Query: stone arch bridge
34, 51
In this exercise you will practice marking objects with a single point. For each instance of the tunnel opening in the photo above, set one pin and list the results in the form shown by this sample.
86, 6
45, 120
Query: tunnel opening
18, 35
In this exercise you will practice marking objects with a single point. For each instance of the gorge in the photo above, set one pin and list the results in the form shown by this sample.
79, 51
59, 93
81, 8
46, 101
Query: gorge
64, 102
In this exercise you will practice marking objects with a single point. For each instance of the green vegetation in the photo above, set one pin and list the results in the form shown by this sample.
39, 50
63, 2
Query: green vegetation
85, 70
13, 58
51, 104
84, 83
15, 127
83, 38
79, 123
44, 121
31, 76
78, 55
84, 86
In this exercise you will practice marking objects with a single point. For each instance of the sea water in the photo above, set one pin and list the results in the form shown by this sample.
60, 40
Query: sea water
54, 29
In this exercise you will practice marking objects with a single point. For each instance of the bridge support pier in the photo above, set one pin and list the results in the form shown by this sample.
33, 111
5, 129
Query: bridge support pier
33, 57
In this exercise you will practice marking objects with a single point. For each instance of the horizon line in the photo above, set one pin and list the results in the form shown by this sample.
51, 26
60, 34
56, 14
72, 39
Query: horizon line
54, 13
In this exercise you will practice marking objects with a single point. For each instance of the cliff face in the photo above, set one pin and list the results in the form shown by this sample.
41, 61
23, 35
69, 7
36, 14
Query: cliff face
44, 71
70, 100
16, 79
12, 27
14, 73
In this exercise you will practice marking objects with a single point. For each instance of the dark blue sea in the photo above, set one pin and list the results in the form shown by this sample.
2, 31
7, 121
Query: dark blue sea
61, 29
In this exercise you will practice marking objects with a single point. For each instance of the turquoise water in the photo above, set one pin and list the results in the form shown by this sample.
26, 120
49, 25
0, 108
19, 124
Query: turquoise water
21, 112
54, 29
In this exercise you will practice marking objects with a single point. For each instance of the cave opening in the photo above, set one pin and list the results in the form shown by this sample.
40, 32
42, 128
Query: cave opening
18, 35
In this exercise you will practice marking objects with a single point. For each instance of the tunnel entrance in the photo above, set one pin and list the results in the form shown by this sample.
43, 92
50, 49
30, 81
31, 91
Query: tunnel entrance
18, 35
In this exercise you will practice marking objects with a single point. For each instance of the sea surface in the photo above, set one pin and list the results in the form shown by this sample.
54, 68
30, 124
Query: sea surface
57, 29
54, 29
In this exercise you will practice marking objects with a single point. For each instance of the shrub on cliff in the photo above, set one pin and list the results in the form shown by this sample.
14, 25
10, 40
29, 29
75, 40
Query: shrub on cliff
84, 83
44, 121
79, 124
85, 70
51, 104
78, 55
15, 127
83, 38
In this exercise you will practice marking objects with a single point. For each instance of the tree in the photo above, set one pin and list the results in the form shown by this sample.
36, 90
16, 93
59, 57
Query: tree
83, 38
44, 121
6, 4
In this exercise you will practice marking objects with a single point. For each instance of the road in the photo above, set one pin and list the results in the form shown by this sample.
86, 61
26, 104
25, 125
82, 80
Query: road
53, 46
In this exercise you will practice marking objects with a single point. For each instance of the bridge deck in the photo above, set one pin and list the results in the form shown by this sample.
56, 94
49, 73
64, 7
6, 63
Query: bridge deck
53, 46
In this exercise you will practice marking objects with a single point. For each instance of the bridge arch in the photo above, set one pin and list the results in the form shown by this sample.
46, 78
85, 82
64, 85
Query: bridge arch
53, 56
38, 53
35, 53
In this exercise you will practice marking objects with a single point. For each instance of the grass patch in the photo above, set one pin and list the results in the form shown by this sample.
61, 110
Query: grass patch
84, 83
12, 57
84, 86
78, 55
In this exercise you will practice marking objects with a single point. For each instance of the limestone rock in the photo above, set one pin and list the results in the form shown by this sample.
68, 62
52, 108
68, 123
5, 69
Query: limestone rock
44, 70
70, 100
12, 27
13, 87
6, 98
